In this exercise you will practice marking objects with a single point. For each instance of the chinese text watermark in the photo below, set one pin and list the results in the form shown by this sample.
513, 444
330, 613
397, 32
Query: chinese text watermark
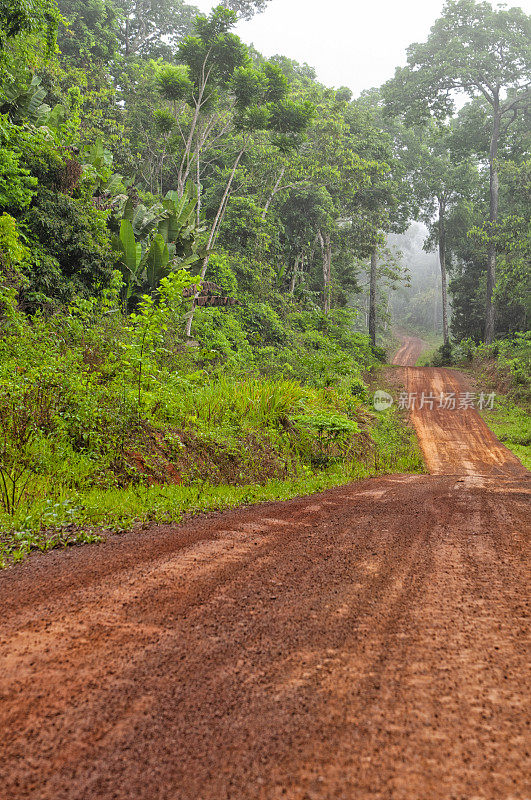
446, 401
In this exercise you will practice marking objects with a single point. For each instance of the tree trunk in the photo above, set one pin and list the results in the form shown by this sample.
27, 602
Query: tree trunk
198, 185
184, 168
294, 276
372, 294
273, 193
442, 262
213, 232
328, 284
326, 251
186, 163
493, 217
217, 219
435, 301
220, 223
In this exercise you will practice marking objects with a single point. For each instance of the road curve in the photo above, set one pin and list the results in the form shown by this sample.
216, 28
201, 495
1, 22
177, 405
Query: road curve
365, 643
410, 350
453, 436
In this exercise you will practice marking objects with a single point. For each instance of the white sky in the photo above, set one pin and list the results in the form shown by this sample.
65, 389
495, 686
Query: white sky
355, 43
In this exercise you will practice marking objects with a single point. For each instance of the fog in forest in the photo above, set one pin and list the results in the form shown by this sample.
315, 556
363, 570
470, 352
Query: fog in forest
416, 306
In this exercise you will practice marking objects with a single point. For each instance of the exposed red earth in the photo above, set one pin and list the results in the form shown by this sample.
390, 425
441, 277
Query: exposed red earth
367, 642
443, 408
409, 351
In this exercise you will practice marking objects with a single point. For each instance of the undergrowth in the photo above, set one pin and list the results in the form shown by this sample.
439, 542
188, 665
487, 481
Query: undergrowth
503, 366
110, 420
73, 518
512, 425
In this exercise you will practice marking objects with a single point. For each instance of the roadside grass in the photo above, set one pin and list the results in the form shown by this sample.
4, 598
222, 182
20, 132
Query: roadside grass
434, 342
511, 423
111, 422
73, 518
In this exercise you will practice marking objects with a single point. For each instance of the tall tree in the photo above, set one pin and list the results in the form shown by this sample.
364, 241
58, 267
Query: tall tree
28, 36
481, 51
152, 29
442, 180
89, 31
21, 17
198, 88
217, 94
384, 204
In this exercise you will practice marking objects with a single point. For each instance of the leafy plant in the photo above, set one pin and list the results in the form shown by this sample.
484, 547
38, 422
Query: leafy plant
18, 431
23, 102
156, 240
148, 324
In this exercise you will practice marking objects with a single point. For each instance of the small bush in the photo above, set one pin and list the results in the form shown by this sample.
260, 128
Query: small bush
443, 357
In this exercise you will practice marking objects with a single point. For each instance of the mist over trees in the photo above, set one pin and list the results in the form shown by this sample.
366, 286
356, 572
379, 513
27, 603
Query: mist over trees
418, 305
291, 179
484, 53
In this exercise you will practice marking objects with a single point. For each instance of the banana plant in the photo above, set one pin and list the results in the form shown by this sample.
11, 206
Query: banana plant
143, 219
23, 101
157, 261
154, 241
180, 228
129, 258
98, 160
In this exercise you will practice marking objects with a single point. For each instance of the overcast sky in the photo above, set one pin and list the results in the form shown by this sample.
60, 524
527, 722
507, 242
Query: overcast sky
349, 42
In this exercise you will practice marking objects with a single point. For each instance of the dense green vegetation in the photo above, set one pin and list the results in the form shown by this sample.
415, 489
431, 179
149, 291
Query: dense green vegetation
195, 262
98, 405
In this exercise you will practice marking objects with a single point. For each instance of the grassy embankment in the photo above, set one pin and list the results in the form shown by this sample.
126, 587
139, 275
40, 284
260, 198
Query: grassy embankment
109, 422
70, 517
505, 369
433, 343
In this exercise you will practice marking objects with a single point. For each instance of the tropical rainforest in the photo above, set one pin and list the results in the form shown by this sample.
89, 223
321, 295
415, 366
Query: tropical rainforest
204, 254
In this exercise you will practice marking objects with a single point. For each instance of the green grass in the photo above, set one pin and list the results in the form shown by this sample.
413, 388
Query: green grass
397, 449
512, 425
434, 341
84, 517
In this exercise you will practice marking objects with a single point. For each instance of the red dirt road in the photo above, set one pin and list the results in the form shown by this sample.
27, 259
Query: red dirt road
368, 642
454, 438
409, 352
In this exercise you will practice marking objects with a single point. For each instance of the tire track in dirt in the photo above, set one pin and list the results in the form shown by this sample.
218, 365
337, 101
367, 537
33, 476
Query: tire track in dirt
410, 350
454, 440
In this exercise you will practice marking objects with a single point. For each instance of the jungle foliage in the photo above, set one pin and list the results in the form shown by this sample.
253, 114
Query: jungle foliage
195, 276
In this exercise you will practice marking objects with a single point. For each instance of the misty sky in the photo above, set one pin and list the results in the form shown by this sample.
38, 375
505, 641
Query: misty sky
348, 42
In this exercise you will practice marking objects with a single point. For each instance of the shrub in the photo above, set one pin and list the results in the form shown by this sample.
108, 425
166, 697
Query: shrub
39, 153
73, 247
261, 323
220, 272
17, 185
13, 254
443, 356
222, 338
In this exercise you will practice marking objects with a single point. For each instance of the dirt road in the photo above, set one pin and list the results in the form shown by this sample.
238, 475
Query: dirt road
368, 642
443, 407
409, 352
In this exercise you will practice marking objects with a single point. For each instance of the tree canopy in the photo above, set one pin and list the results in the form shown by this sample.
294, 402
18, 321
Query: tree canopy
140, 103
